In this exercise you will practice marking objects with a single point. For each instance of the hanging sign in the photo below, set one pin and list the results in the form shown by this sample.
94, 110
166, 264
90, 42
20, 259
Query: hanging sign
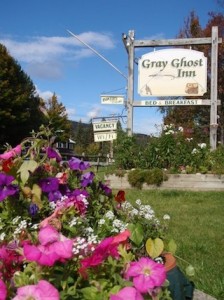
112, 99
105, 136
172, 72
104, 125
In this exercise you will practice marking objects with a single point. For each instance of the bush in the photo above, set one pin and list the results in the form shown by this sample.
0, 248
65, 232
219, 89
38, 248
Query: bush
215, 160
136, 178
153, 176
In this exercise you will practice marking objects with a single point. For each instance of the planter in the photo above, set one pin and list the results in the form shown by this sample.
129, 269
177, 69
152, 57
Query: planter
197, 182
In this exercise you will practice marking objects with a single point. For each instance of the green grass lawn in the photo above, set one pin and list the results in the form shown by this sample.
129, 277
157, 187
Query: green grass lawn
197, 227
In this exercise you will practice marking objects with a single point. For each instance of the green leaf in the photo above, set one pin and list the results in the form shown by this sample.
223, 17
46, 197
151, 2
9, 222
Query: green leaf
27, 167
137, 233
190, 270
36, 198
154, 247
172, 246
90, 293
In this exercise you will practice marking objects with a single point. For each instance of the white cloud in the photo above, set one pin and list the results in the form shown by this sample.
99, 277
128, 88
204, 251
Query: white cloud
94, 113
40, 49
41, 55
44, 94
71, 113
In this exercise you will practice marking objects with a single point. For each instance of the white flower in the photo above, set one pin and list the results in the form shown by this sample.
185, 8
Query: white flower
194, 151
181, 129
101, 221
2, 236
138, 202
134, 212
166, 217
73, 222
109, 215
202, 145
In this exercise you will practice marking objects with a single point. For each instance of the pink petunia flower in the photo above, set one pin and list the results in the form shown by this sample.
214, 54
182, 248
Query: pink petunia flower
53, 247
127, 293
43, 290
147, 274
11, 153
107, 247
3, 290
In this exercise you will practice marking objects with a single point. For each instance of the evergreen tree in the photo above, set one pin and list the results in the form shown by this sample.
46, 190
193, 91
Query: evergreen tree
19, 106
58, 118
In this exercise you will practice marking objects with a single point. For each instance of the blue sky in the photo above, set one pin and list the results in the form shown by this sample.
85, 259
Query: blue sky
35, 34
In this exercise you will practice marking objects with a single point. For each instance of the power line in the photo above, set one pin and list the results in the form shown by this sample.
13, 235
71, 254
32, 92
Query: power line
97, 53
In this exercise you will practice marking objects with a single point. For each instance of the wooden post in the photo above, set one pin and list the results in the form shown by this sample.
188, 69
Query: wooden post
130, 47
213, 95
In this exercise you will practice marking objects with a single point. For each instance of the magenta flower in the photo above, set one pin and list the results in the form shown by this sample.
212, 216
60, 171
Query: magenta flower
42, 290
52, 153
6, 186
107, 247
79, 202
53, 247
147, 274
3, 290
127, 293
11, 153
77, 164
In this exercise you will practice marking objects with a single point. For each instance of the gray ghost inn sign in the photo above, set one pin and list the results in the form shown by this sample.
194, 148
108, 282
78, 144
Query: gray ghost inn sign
173, 72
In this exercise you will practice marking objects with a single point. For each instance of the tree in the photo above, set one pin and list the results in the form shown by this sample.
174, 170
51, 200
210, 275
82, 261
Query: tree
19, 105
197, 118
58, 118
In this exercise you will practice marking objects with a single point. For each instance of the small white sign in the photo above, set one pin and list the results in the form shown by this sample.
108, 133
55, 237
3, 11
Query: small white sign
172, 72
105, 136
112, 99
105, 126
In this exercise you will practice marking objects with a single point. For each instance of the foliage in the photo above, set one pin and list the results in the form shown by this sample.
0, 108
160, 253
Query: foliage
172, 151
127, 152
63, 234
154, 176
197, 118
138, 177
58, 118
19, 106
215, 160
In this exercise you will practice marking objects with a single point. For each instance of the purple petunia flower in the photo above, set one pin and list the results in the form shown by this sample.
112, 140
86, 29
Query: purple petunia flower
77, 164
33, 209
87, 179
78, 192
49, 184
6, 186
54, 196
105, 188
52, 153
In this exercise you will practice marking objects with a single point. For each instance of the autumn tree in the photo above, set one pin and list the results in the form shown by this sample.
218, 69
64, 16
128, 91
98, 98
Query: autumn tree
19, 104
196, 119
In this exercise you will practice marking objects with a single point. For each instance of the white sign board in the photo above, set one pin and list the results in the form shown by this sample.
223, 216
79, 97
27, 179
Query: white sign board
105, 126
172, 72
112, 99
105, 136
174, 102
